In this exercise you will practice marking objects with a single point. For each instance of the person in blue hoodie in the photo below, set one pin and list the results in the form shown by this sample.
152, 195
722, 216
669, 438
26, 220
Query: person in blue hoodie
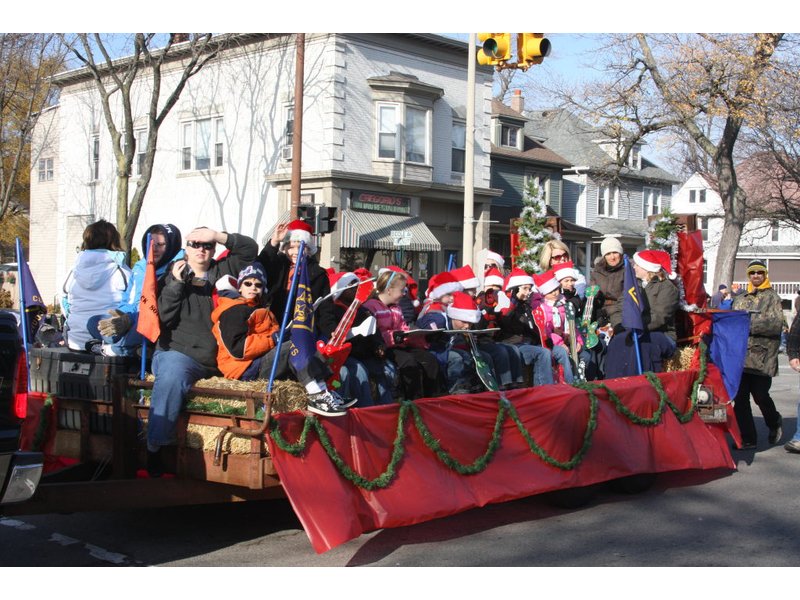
98, 282
167, 248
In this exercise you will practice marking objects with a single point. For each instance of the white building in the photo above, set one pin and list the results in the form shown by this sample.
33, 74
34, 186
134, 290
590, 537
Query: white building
383, 141
772, 241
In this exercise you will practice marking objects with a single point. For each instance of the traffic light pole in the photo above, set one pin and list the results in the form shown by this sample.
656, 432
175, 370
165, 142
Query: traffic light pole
297, 132
468, 239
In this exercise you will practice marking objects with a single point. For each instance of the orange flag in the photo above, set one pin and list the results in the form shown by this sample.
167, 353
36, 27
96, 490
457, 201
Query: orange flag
149, 325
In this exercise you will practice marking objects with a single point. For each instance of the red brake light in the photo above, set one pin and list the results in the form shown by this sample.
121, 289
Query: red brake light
21, 388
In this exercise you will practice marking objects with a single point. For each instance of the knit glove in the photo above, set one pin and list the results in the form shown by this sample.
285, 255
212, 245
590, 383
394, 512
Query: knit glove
117, 324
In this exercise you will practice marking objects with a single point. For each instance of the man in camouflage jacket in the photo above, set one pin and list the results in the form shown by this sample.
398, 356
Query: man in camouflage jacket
761, 363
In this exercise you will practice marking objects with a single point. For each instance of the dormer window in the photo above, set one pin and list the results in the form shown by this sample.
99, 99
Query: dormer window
510, 136
634, 161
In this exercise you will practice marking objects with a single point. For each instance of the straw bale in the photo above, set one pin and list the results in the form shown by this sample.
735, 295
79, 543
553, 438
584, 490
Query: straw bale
681, 360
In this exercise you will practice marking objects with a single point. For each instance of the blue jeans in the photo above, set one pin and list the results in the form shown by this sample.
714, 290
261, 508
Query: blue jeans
175, 373
507, 364
121, 345
384, 372
561, 357
540, 358
354, 378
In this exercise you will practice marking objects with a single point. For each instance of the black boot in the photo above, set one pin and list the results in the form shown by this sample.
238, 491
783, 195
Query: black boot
155, 464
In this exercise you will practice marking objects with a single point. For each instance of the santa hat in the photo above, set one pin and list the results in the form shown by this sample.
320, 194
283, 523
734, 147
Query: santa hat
464, 308
362, 273
300, 231
442, 284
516, 278
564, 270
339, 281
496, 258
466, 276
546, 282
493, 277
653, 261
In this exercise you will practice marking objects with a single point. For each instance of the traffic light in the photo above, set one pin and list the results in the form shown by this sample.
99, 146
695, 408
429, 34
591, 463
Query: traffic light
307, 213
496, 48
327, 219
531, 49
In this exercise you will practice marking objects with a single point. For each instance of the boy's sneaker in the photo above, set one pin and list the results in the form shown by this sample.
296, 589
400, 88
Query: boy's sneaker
94, 346
327, 404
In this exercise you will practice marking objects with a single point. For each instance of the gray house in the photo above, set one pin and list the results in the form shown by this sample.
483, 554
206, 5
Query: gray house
596, 192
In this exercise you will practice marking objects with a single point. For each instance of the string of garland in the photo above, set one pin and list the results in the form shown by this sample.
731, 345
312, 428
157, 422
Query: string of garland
505, 409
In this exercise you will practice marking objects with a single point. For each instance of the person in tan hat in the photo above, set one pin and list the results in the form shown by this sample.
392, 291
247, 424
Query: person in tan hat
608, 273
761, 362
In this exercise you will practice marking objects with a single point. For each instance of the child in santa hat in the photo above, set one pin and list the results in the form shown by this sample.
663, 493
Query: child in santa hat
517, 328
553, 318
418, 368
408, 303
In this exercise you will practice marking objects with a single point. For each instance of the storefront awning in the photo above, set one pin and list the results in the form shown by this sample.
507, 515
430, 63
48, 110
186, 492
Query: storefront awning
381, 231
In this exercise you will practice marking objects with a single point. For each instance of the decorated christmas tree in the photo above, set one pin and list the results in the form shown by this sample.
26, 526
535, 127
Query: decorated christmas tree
532, 229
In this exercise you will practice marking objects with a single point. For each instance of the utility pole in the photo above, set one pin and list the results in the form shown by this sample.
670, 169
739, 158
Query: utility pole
297, 131
468, 239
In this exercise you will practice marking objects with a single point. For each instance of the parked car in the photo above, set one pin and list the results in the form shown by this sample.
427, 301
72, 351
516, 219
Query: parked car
20, 472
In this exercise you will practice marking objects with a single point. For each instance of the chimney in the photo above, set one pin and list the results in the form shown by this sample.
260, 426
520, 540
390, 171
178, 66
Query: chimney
517, 101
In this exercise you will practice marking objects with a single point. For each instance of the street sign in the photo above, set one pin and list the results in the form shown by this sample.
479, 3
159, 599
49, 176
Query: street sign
401, 237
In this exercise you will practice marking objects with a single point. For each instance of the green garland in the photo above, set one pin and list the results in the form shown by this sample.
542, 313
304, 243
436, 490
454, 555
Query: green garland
505, 409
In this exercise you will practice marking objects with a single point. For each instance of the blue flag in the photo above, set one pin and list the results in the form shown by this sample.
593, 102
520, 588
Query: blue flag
729, 346
632, 306
303, 342
30, 299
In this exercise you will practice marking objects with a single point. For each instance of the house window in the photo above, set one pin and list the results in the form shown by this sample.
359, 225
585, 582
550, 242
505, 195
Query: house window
651, 202
202, 144
288, 134
692, 196
458, 160
509, 136
542, 183
704, 227
95, 157
697, 196
141, 150
633, 158
413, 122
702, 196
607, 201
775, 229
45, 169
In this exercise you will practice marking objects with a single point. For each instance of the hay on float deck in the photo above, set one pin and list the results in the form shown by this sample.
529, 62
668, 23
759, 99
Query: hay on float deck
681, 360
287, 396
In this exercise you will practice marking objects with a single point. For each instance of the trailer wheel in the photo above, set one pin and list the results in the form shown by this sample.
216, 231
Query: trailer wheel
633, 484
572, 497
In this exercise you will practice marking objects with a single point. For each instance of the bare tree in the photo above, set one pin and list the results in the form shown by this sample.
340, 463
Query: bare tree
704, 88
27, 61
115, 81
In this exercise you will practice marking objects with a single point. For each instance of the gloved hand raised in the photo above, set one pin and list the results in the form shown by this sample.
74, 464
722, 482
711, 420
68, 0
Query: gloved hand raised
118, 324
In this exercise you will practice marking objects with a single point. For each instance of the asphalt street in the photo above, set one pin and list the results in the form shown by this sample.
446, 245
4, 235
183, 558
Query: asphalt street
746, 517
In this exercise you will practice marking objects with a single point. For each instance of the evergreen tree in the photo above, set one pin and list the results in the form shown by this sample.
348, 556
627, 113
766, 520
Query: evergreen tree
532, 228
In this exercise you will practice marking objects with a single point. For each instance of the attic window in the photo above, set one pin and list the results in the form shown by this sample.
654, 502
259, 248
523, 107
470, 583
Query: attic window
509, 136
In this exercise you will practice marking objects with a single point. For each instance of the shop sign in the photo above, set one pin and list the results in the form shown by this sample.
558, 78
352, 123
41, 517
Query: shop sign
385, 203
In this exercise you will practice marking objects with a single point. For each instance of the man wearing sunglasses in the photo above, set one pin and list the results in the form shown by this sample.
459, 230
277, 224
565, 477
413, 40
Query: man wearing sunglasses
761, 362
186, 349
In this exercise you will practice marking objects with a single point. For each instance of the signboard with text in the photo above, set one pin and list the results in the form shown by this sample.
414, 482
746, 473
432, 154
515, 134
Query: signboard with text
385, 203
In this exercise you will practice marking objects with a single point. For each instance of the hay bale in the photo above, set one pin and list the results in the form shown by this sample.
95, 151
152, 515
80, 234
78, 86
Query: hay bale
681, 360
287, 396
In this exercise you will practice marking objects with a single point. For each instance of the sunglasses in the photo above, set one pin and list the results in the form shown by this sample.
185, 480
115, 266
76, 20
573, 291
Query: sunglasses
254, 284
203, 245
757, 273
559, 257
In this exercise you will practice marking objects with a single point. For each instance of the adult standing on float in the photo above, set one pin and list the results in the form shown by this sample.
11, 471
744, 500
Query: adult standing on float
609, 274
761, 362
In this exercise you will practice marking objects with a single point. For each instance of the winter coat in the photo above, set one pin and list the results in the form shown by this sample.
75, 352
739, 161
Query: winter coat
277, 266
609, 299
793, 339
517, 324
243, 331
184, 308
388, 319
99, 281
663, 300
765, 330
